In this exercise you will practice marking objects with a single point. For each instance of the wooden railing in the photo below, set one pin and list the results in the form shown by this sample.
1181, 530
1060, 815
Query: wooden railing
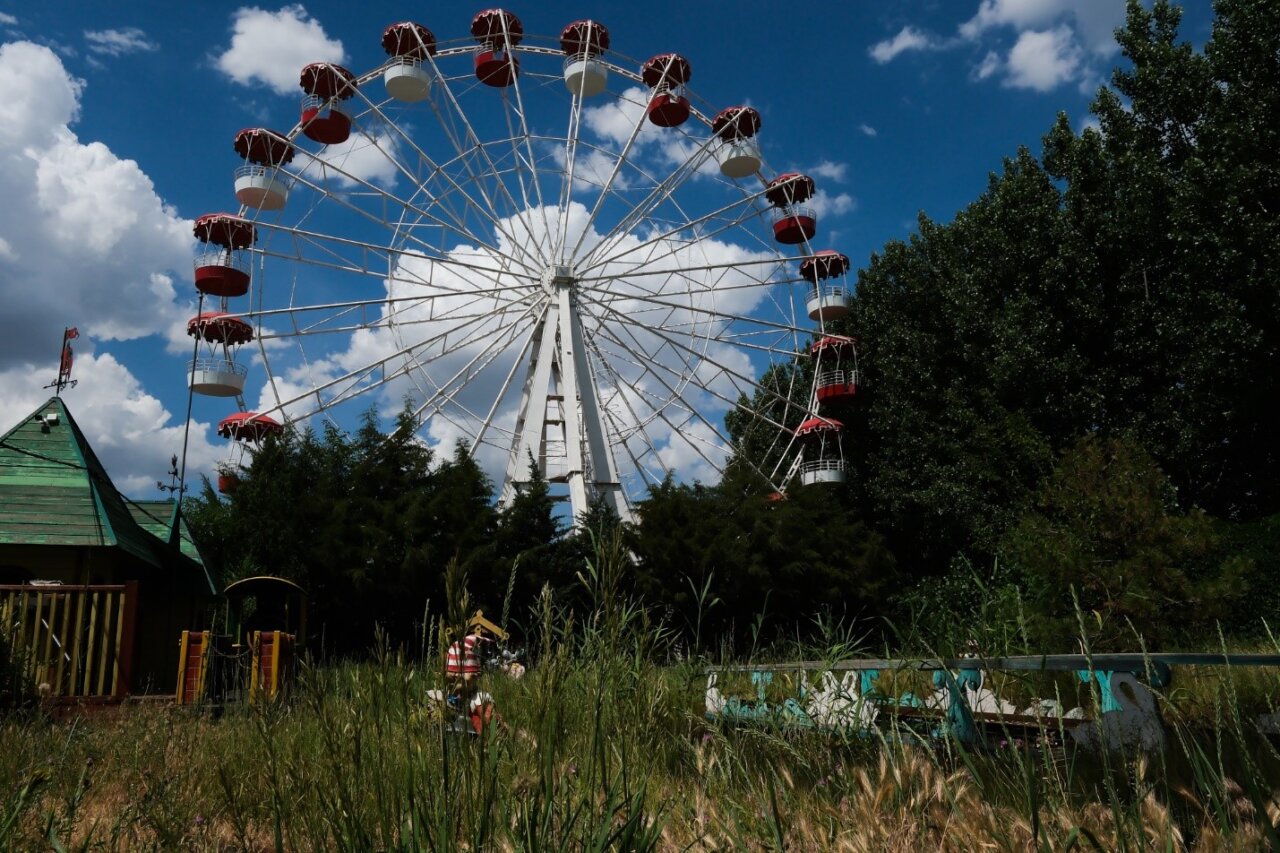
71, 641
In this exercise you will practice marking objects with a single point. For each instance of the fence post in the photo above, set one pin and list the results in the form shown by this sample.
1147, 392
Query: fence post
124, 653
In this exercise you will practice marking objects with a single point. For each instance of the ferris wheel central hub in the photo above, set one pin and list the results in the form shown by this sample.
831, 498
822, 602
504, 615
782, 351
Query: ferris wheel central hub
557, 276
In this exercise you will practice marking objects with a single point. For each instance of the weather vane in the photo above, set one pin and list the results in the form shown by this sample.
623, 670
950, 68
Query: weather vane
64, 365
174, 476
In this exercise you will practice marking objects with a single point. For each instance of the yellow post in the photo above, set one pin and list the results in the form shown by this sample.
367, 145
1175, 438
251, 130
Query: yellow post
62, 645
275, 663
106, 641
87, 684
115, 669
180, 696
253, 666
204, 664
21, 645
45, 661
76, 643
33, 643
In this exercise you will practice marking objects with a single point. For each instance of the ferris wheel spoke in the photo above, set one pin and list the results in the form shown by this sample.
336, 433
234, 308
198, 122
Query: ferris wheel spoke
547, 233
648, 365
445, 393
692, 412
568, 176
389, 320
734, 376
343, 199
327, 165
745, 211
729, 265
727, 316
665, 189
329, 245
608, 184
474, 144
355, 304
399, 136
380, 363
507, 382
620, 388
460, 227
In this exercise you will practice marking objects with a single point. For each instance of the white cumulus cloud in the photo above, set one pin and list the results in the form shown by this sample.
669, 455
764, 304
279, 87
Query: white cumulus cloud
989, 65
271, 48
130, 430
87, 243
908, 38
1044, 60
118, 42
1096, 20
831, 171
90, 243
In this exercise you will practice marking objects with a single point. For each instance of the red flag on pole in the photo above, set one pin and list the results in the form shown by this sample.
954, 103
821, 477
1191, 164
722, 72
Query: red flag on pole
69, 334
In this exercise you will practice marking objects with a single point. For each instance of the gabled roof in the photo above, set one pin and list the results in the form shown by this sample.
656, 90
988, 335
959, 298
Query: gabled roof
54, 491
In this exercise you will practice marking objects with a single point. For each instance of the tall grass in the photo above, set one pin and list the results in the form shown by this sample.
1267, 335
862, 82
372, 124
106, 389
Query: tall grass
603, 746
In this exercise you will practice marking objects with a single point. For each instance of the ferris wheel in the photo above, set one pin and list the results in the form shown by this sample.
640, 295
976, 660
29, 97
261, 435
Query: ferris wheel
559, 255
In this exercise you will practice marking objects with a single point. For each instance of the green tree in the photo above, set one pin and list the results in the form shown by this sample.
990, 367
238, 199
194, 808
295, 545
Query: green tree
1106, 528
366, 523
785, 560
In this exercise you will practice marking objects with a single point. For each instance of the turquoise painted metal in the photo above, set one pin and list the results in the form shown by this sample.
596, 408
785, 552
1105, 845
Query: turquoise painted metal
846, 696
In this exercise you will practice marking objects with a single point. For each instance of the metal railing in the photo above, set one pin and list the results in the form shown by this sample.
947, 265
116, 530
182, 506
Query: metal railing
828, 291
235, 259
583, 56
673, 90
813, 465
837, 377
216, 365
794, 211
254, 170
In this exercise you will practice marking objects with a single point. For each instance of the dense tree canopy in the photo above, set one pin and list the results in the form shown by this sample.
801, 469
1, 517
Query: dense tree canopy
1124, 285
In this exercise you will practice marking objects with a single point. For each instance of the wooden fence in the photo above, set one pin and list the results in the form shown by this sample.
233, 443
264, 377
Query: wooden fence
78, 640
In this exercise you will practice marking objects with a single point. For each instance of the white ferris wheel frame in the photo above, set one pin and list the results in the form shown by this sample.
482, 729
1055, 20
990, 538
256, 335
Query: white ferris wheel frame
547, 299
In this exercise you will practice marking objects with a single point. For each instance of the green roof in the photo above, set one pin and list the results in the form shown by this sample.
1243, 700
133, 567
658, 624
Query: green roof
54, 491
157, 518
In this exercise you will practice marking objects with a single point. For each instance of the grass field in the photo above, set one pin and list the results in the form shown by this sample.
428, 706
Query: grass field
601, 748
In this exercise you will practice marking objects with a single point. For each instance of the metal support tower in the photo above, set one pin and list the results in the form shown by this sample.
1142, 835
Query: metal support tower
560, 423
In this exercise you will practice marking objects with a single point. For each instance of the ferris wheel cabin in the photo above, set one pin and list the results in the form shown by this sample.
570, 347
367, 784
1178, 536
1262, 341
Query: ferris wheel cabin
666, 76
835, 372
823, 453
829, 297
326, 115
583, 42
259, 182
497, 31
794, 222
737, 150
249, 427
222, 264
409, 45
216, 373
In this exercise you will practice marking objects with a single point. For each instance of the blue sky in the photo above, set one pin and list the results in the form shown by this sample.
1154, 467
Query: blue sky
118, 119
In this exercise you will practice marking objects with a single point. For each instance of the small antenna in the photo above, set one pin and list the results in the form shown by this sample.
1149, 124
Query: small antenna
174, 477
64, 379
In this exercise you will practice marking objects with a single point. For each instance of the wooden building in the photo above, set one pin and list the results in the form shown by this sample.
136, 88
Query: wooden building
95, 589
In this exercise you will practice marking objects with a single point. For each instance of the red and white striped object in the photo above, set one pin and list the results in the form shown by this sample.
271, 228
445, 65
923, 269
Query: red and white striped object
463, 658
